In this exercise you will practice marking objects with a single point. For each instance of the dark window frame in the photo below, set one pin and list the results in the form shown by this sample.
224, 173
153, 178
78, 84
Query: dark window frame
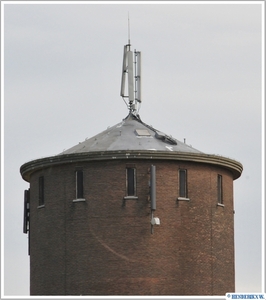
41, 191
131, 188
79, 184
220, 189
183, 183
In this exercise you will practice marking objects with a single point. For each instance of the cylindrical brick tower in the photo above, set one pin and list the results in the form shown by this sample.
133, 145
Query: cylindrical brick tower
131, 211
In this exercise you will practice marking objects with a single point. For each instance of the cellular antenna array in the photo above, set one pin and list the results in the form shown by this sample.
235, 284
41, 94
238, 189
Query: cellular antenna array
131, 77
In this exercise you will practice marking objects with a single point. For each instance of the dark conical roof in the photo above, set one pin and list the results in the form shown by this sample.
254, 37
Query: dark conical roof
131, 134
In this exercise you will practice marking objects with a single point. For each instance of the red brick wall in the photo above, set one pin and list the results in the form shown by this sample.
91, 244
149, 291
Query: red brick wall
104, 246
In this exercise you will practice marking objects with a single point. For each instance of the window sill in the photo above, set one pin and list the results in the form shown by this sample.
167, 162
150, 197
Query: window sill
41, 206
79, 200
131, 198
220, 204
183, 199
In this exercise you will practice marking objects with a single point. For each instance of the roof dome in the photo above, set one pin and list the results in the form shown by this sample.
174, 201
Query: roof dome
133, 139
131, 134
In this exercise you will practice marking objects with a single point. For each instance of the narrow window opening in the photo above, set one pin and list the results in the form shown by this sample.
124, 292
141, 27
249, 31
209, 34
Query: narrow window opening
220, 189
183, 183
131, 182
41, 191
79, 184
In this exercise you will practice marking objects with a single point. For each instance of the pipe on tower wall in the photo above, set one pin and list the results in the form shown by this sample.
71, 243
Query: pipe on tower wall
153, 187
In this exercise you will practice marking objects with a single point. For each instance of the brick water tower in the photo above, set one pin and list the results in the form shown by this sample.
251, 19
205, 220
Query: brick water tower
131, 211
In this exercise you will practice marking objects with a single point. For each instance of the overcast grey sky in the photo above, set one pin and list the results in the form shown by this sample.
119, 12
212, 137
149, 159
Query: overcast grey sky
201, 78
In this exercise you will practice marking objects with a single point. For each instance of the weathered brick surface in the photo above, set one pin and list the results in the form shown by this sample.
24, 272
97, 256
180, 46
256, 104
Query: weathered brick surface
104, 246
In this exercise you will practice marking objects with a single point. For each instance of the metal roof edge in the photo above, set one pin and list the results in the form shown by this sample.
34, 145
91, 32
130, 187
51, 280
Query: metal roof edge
28, 168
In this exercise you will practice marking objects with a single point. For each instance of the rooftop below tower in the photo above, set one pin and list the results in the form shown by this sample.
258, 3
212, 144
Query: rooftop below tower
131, 134
133, 139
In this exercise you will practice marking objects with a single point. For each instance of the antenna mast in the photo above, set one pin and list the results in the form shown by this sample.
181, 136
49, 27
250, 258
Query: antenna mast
131, 76
128, 30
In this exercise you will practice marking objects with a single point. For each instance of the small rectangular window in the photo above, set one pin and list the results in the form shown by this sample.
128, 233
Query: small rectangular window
131, 182
183, 183
220, 189
79, 184
41, 191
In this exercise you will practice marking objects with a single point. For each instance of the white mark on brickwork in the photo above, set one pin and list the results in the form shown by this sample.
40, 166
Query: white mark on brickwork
110, 249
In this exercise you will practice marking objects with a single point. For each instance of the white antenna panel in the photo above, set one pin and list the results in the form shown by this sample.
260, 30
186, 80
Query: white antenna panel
130, 77
124, 71
138, 76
